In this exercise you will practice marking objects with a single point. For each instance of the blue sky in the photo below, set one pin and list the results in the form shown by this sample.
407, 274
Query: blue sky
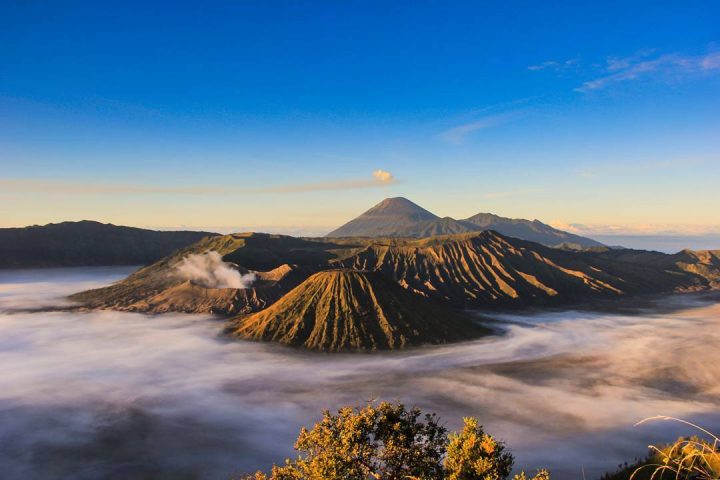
601, 117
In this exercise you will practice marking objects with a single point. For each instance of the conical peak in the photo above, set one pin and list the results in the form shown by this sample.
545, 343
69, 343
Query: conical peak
401, 206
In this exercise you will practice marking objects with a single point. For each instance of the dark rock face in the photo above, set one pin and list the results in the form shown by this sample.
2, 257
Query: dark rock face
86, 243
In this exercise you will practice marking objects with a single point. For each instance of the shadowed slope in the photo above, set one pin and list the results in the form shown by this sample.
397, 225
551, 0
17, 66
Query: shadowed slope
532, 231
87, 243
348, 310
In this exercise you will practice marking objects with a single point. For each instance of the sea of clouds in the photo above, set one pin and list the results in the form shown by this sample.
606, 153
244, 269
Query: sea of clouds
120, 395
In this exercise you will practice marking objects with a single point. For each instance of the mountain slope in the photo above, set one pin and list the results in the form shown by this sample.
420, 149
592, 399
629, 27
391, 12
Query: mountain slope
533, 231
160, 288
399, 217
388, 217
339, 310
705, 263
479, 269
87, 243
486, 268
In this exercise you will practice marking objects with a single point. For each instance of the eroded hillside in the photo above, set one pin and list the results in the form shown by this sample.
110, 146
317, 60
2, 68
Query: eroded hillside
338, 310
474, 269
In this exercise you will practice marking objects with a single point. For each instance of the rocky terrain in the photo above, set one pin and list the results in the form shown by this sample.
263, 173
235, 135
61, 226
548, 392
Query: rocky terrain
338, 310
363, 293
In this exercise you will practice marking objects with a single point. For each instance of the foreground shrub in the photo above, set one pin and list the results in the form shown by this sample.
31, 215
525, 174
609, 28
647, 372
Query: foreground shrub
473, 454
390, 442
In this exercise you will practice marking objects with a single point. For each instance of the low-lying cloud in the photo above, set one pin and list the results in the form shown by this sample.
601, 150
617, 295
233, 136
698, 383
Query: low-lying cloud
123, 395
668, 238
637, 229
209, 270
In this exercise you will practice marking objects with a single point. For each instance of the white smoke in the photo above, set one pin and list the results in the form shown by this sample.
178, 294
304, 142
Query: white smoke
209, 270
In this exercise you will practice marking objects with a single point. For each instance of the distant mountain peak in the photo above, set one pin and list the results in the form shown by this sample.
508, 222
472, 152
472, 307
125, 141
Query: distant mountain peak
403, 207
400, 217
385, 218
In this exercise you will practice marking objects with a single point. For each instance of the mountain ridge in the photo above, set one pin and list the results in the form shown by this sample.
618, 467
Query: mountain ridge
475, 269
88, 243
400, 217
402, 287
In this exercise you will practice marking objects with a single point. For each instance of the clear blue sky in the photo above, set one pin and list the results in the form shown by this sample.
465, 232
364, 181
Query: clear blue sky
600, 115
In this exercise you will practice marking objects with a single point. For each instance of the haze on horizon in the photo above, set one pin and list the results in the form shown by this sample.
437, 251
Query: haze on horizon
596, 118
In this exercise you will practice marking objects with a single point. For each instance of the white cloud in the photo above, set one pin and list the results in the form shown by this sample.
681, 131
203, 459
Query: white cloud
664, 68
383, 176
711, 62
456, 135
554, 65
29, 185
635, 228
566, 227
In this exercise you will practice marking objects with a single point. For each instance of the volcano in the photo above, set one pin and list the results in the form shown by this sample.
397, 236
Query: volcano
346, 310
399, 217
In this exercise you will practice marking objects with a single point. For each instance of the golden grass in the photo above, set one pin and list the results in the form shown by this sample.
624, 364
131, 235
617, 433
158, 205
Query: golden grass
687, 458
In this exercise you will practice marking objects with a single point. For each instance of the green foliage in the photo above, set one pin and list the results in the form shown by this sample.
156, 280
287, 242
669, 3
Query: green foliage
387, 441
474, 455
390, 442
540, 475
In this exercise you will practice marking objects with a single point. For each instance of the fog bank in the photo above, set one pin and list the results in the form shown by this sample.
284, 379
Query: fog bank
121, 395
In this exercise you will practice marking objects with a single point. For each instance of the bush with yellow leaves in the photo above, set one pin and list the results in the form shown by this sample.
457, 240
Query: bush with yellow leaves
390, 442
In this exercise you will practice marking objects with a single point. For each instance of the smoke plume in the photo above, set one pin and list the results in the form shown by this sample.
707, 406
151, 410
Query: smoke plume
209, 270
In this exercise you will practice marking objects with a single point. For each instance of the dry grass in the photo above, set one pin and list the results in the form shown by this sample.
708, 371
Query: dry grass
687, 458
